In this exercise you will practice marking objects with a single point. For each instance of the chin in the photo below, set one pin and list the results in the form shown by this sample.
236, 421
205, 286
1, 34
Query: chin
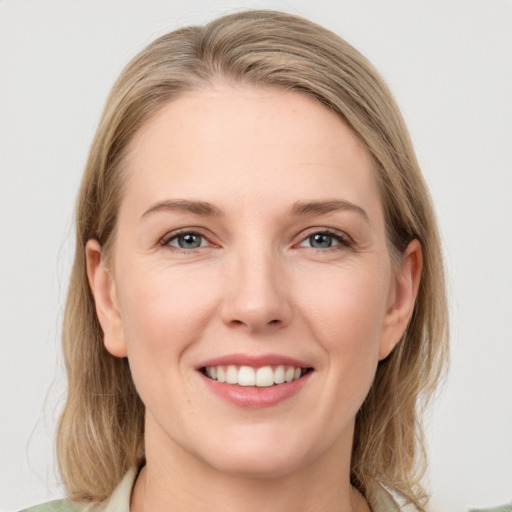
264, 457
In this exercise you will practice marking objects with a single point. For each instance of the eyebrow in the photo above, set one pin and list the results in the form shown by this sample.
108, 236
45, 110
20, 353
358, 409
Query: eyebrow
319, 207
298, 208
196, 207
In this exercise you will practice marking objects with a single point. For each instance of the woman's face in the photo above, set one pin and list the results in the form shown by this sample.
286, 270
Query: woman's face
251, 248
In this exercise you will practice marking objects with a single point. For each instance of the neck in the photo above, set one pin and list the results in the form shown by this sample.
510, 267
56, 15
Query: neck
175, 479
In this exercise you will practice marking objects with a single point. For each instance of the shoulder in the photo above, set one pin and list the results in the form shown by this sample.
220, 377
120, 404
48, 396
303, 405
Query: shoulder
60, 506
503, 508
118, 502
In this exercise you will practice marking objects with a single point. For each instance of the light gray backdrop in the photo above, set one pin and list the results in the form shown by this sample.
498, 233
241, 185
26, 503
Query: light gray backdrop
450, 66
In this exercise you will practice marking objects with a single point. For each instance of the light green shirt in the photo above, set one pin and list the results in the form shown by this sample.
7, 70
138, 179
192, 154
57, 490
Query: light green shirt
120, 501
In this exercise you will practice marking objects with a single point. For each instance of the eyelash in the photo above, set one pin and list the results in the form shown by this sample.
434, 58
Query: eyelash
342, 240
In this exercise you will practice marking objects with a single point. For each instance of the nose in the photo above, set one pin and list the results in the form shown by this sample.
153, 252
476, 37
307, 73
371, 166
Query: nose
256, 294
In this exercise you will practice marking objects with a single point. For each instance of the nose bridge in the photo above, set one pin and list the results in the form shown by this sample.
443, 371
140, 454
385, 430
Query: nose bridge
255, 295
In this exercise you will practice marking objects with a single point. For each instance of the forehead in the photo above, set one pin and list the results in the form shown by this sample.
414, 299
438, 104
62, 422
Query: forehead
230, 141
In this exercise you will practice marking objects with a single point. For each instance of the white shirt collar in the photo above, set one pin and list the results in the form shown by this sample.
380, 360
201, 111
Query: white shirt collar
120, 499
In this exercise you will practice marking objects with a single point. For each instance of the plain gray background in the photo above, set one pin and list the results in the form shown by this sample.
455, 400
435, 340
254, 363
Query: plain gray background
449, 64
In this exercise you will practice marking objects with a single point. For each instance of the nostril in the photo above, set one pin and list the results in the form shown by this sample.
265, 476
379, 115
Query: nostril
274, 322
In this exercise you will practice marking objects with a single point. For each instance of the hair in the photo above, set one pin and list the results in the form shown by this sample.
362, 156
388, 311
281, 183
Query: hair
100, 433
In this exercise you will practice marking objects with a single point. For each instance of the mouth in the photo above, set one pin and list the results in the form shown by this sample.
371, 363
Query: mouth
255, 381
259, 377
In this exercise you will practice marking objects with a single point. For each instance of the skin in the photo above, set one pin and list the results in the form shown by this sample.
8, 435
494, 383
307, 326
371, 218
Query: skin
256, 285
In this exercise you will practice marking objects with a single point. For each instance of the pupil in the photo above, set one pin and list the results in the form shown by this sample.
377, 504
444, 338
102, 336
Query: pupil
320, 240
189, 241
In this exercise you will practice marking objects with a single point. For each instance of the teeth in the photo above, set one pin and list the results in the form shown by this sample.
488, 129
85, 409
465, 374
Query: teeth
232, 375
262, 377
246, 376
279, 375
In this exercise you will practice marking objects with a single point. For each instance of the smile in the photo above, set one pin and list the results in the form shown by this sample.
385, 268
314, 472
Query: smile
262, 377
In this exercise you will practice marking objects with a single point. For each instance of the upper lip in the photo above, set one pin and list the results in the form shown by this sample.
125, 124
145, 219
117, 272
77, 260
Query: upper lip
254, 360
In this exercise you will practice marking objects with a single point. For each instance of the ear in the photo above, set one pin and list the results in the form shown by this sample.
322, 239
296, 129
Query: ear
403, 294
105, 298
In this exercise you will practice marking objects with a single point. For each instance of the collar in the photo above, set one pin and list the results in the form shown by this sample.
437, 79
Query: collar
120, 499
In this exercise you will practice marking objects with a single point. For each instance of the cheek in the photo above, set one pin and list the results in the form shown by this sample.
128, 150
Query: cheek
348, 301
164, 311
347, 315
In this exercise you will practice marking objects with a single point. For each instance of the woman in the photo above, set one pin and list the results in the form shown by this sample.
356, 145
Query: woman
256, 313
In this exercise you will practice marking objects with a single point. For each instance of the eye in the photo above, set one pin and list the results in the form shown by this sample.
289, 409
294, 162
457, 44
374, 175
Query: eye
187, 240
324, 240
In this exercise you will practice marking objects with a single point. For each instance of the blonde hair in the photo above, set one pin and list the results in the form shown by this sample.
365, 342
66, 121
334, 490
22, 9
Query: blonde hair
100, 433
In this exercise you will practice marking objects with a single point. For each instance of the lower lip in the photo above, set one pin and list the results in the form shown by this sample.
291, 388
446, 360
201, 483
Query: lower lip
252, 397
